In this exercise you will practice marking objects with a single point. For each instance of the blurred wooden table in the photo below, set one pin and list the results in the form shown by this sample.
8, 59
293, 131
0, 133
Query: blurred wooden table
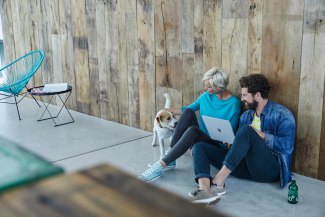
99, 191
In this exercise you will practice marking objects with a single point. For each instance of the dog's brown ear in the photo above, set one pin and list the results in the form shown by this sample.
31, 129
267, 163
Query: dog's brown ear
158, 121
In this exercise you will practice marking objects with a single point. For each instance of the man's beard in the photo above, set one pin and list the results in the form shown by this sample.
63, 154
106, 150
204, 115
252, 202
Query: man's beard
252, 105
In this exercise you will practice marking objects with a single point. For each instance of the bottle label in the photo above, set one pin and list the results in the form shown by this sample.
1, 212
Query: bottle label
292, 198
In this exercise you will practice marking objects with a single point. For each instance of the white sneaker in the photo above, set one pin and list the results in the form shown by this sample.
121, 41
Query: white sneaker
153, 173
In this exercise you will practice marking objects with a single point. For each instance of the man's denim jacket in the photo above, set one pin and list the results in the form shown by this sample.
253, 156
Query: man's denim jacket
279, 126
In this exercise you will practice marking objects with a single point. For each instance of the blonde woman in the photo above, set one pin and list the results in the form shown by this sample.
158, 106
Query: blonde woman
216, 102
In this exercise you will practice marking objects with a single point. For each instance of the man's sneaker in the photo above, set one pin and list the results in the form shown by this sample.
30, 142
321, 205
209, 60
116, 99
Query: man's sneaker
193, 192
171, 165
153, 173
205, 197
218, 190
214, 189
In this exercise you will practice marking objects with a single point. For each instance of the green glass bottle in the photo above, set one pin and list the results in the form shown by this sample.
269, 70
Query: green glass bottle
293, 192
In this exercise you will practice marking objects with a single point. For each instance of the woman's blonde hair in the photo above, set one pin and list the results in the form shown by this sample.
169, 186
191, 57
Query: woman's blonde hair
217, 77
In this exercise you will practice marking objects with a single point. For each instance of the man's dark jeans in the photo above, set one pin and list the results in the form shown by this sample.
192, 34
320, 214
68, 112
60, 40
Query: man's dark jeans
248, 158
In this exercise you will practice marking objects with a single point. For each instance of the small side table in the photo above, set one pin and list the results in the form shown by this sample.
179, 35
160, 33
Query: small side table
41, 94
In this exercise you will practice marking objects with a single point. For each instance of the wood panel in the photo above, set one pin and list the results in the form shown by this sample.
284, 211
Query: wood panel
254, 46
15, 11
80, 47
282, 36
145, 18
212, 32
289, 68
67, 52
123, 65
198, 47
56, 45
187, 40
45, 41
234, 41
168, 53
57, 63
132, 53
321, 171
162, 77
311, 93
112, 61
273, 43
8, 34
288, 92
92, 57
25, 20
235, 8
101, 56
35, 10
134, 101
187, 28
234, 50
172, 10
188, 78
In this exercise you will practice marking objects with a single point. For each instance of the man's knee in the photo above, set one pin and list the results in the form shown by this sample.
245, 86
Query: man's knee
244, 131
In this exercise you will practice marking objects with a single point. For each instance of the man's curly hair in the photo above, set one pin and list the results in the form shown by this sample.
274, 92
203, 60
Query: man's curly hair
256, 83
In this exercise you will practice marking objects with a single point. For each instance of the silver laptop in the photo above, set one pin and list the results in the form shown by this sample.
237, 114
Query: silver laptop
219, 129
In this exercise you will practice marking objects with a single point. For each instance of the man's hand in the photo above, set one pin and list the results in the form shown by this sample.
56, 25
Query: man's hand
260, 133
227, 145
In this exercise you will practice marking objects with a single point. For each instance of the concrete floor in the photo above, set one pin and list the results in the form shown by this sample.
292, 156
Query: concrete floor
90, 141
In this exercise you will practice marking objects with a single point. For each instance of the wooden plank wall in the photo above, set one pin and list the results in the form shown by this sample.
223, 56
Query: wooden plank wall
121, 56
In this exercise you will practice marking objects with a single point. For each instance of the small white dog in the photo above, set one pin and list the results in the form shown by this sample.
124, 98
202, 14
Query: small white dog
164, 126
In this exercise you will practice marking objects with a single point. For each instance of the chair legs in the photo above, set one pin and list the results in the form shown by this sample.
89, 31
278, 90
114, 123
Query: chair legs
36, 102
23, 95
17, 107
16, 102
